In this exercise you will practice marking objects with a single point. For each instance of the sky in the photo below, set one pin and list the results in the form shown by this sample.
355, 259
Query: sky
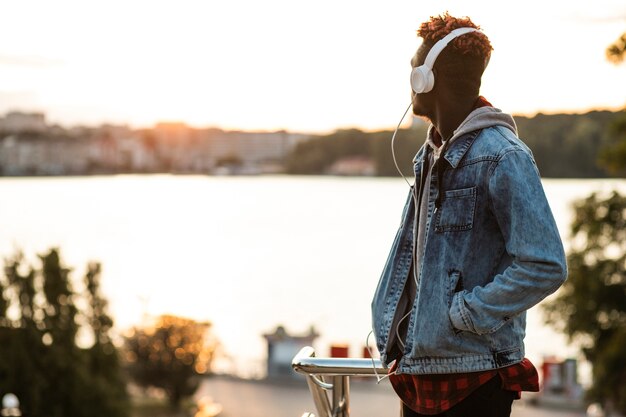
294, 65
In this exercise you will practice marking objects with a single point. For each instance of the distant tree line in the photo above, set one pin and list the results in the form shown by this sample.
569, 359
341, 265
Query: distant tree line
568, 145
564, 146
316, 155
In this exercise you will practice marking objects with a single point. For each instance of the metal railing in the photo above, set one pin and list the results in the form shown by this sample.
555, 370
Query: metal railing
332, 375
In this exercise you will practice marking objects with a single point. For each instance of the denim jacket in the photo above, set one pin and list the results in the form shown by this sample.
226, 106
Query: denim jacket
492, 250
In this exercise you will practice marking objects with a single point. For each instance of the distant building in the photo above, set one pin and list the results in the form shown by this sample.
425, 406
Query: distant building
561, 377
28, 146
355, 165
560, 387
282, 347
16, 122
253, 148
39, 156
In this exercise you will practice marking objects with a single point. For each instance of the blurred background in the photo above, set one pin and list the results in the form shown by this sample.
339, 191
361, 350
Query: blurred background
193, 190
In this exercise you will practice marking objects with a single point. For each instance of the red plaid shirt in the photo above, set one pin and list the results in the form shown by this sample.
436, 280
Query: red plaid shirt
434, 394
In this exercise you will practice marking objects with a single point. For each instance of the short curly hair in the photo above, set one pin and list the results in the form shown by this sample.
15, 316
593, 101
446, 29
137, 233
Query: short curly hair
463, 61
474, 43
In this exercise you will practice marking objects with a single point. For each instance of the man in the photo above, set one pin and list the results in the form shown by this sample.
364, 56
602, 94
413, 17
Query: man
477, 246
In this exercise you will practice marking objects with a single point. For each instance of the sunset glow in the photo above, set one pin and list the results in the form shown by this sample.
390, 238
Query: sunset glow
313, 66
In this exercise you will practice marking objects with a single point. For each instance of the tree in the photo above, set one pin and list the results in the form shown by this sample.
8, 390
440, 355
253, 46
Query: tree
591, 305
405, 146
42, 362
103, 359
170, 355
613, 156
315, 155
617, 50
567, 145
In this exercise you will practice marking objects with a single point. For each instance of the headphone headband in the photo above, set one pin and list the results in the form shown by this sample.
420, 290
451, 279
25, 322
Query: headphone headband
442, 43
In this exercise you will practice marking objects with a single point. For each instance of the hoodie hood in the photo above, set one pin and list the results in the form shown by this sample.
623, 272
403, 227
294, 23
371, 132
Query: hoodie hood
480, 118
485, 117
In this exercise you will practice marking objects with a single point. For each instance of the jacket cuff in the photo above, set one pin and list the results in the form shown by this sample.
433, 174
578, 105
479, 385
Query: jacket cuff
458, 313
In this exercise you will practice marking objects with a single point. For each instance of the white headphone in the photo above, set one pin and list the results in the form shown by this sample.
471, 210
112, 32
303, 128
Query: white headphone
422, 77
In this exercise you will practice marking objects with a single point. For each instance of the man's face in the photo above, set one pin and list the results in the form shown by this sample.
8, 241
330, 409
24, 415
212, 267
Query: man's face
422, 103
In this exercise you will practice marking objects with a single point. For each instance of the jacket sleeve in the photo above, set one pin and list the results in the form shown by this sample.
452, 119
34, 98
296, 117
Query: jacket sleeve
531, 239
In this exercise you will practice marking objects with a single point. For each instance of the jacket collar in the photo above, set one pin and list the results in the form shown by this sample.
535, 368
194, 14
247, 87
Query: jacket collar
455, 151
419, 156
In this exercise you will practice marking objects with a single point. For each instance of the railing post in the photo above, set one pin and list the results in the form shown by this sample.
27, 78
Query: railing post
320, 398
319, 371
341, 396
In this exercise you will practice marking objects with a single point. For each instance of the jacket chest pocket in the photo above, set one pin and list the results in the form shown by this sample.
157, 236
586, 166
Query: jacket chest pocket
457, 210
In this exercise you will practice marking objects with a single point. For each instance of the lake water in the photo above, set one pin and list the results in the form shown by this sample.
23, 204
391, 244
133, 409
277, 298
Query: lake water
246, 253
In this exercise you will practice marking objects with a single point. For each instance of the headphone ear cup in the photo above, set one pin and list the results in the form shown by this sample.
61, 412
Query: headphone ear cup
430, 81
422, 79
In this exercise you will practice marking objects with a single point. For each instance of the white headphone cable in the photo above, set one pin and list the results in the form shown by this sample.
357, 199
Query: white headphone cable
395, 161
393, 138
393, 154
379, 379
